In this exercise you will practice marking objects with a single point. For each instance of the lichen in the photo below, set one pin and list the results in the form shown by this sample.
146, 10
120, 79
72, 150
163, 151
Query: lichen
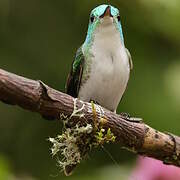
67, 145
76, 141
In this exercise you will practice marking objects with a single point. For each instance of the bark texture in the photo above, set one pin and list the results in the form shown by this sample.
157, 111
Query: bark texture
131, 134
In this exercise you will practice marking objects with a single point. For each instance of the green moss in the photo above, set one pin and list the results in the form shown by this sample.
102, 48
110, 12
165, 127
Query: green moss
75, 143
104, 137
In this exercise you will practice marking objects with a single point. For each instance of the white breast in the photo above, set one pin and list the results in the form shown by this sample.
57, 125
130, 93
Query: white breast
109, 69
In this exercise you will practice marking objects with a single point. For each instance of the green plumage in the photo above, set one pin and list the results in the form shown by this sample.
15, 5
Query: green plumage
75, 75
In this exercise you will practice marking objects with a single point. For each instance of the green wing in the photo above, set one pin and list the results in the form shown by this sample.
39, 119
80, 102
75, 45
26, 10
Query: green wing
130, 59
74, 78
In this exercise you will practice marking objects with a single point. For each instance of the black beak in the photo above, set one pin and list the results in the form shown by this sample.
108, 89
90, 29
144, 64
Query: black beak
107, 12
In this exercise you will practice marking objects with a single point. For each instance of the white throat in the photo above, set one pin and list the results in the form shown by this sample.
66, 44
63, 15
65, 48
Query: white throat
107, 37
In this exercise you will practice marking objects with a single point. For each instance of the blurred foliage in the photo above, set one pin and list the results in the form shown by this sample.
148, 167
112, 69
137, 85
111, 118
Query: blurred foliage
38, 39
4, 168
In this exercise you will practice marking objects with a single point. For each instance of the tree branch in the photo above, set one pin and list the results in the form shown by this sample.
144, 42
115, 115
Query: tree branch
136, 136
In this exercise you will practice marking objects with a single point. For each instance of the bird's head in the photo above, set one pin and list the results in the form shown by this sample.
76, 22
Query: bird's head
105, 15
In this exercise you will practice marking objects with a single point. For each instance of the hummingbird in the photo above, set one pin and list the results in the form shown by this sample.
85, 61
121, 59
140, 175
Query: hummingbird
102, 65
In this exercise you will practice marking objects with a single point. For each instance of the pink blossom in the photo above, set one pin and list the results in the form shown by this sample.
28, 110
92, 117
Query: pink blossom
152, 169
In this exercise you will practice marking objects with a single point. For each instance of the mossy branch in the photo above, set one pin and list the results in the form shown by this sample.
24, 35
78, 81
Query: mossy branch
131, 134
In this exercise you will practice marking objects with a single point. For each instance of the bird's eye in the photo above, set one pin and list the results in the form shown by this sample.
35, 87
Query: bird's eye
92, 19
118, 18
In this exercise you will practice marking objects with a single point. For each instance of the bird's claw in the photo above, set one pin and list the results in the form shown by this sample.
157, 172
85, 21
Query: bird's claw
128, 117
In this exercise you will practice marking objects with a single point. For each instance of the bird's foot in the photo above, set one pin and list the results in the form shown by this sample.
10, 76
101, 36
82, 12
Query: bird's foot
125, 115
128, 117
93, 101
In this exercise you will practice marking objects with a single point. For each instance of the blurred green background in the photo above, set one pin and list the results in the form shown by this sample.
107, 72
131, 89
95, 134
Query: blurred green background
38, 40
